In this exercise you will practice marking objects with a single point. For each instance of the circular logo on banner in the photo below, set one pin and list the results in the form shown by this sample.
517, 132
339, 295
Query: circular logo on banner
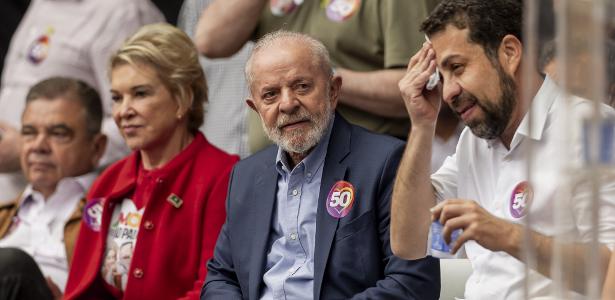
92, 213
342, 10
340, 199
520, 200
283, 7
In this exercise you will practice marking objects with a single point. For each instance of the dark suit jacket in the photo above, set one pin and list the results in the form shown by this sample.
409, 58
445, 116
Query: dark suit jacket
352, 255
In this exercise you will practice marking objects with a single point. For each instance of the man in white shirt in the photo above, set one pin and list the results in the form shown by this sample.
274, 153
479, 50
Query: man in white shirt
72, 38
62, 144
484, 189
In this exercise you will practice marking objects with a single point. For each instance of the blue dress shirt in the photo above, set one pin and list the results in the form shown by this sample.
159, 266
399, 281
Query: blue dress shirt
289, 272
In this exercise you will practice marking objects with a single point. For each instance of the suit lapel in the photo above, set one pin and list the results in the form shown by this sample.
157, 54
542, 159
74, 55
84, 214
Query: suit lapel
333, 171
263, 203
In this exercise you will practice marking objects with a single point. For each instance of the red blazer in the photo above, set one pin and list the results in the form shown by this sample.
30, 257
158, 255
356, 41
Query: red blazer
173, 243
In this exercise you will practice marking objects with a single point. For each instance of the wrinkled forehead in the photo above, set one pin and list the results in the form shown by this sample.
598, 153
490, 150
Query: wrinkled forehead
277, 63
284, 52
60, 109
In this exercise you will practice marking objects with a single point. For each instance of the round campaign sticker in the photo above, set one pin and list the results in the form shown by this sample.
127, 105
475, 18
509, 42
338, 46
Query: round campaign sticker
520, 199
342, 10
92, 213
283, 7
37, 52
340, 199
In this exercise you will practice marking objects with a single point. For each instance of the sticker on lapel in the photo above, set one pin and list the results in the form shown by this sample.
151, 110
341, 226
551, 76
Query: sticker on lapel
92, 213
340, 199
520, 200
175, 200
342, 10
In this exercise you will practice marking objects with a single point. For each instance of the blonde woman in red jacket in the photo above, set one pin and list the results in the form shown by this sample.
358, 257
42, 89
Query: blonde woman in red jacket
152, 219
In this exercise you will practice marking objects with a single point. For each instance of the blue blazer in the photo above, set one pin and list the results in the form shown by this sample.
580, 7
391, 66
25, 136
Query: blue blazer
352, 256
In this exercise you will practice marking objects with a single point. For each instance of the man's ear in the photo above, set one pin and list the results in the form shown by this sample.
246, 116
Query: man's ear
335, 89
251, 104
99, 144
510, 53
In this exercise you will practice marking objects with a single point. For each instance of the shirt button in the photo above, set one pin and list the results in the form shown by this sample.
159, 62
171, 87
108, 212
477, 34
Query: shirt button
149, 225
295, 192
293, 236
137, 273
159, 180
309, 174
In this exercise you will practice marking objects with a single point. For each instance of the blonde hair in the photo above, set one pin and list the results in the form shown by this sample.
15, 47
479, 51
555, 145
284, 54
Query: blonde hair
174, 58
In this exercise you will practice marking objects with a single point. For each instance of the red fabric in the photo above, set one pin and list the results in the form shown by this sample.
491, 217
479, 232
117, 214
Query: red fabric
172, 254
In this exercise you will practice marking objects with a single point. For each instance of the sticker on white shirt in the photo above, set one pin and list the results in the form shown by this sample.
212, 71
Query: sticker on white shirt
342, 10
92, 213
39, 48
284, 7
121, 241
520, 200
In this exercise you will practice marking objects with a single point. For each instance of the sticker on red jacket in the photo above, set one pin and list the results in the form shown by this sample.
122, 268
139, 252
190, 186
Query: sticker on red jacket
340, 199
92, 213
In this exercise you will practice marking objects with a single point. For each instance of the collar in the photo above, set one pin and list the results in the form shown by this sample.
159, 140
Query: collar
311, 162
129, 169
66, 185
539, 112
539, 109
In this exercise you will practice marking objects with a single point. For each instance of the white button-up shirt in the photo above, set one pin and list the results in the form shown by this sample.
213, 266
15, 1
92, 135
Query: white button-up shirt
39, 225
488, 173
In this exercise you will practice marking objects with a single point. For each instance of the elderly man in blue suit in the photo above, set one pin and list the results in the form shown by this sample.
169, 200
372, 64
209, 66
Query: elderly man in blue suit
309, 217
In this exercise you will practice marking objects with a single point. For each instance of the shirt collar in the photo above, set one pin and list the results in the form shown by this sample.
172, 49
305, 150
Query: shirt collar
539, 109
311, 162
82, 183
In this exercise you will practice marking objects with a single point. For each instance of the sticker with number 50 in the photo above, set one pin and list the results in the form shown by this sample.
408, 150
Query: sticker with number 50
340, 199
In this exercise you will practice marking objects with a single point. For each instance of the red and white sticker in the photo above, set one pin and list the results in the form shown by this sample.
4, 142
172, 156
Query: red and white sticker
520, 200
340, 199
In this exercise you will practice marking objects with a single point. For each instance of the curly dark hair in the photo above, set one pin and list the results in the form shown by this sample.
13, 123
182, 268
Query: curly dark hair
488, 21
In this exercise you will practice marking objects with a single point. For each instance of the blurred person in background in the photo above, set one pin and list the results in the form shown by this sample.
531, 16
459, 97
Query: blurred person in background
154, 216
369, 42
62, 145
226, 116
72, 38
11, 13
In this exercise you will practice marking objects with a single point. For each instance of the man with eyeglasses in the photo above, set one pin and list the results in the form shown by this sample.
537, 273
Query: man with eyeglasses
62, 145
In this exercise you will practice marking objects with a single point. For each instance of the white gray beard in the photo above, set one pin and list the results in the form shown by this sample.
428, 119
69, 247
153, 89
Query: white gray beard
301, 142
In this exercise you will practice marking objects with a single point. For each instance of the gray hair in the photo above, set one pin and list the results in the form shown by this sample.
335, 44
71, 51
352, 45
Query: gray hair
318, 50
74, 90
